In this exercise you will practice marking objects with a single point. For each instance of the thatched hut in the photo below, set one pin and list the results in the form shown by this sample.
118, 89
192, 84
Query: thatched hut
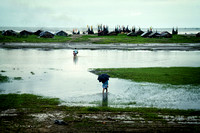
25, 33
61, 33
198, 34
154, 35
112, 33
46, 34
139, 32
166, 34
38, 32
146, 34
132, 34
9, 33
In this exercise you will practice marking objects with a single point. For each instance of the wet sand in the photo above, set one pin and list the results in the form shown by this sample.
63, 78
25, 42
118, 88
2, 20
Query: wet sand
115, 46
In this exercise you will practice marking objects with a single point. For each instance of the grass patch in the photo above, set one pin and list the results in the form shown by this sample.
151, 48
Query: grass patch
151, 116
120, 38
17, 78
148, 112
38, 103
9, 101
17, 101
3, 78
33, 39
84, 38
161, 75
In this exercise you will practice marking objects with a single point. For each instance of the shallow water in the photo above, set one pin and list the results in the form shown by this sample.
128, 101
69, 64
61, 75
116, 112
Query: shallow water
56, 73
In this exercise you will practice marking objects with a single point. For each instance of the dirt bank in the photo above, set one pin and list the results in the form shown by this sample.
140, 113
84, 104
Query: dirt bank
118, 46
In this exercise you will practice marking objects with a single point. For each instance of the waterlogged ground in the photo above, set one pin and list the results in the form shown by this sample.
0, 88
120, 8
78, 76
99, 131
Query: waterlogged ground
56, 73
97, 121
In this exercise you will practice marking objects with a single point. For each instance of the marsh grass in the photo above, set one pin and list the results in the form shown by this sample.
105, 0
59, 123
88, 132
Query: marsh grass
4, 78
33, 39
122, 38
161, 75
17, 101
25, 101
17, 78
26, 104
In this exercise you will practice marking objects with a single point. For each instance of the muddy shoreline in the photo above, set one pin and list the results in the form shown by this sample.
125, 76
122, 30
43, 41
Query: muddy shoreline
114, 46
95, 121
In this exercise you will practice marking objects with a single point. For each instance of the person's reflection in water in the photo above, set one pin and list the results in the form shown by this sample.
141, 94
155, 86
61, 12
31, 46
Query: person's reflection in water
75, 59
105, 99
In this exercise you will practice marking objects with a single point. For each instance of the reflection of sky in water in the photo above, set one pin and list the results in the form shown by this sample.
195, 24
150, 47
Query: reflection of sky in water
58, 74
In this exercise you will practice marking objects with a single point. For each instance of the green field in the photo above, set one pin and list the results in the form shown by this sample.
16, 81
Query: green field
161, 75
32, 39
26, 101
120, 38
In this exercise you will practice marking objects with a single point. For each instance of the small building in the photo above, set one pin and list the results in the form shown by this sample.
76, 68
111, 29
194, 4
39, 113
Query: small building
154, 35
112, 33
166, 34
198, 34
90, 30
25, 33
61, 33
9, 33
38, 32
46, 34
174, 32
146, 34
139, 32
132, 34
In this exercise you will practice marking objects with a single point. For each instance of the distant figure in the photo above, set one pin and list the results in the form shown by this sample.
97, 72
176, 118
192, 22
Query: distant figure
75, 52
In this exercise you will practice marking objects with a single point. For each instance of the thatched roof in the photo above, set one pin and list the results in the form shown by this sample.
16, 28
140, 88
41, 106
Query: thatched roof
139, 32
146, 34
165, 34
61, 33
198, 34
46, 34
9, 33
25, 33
38, 32
154, 35
132, 34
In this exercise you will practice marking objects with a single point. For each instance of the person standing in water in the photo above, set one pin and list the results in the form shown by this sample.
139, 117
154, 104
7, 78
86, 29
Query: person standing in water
75, 52
104, 79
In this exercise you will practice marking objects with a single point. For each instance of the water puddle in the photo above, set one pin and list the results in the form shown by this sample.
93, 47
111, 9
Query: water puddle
56, 73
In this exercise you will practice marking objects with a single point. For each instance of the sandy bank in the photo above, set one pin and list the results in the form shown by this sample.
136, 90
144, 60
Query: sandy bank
115, 46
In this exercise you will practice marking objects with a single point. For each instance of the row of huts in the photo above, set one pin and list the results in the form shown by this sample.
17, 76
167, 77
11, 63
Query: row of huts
40, 33
101, 31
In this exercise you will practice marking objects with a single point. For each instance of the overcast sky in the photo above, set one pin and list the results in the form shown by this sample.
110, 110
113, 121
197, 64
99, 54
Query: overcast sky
80, 13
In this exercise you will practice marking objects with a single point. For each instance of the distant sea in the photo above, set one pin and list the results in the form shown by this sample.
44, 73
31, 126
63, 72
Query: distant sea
69, 30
